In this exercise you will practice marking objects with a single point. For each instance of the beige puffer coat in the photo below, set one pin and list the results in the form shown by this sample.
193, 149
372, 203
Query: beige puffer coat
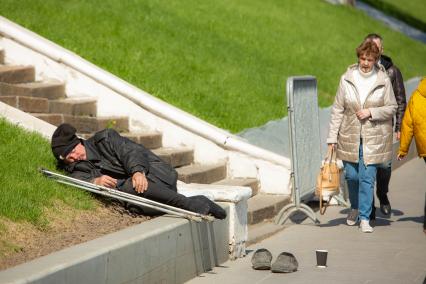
376, 132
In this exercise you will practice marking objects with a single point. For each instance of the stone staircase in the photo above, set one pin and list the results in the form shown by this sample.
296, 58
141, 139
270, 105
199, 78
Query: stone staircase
47, 100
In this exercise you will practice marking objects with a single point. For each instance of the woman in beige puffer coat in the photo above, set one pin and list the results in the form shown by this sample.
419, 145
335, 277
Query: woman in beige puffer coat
361, 128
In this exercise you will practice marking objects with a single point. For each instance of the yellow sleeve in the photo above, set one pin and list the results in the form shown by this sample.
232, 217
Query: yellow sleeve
406, 129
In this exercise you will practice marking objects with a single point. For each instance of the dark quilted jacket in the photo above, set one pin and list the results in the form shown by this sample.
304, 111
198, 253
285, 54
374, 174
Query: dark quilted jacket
108, 153
398, 88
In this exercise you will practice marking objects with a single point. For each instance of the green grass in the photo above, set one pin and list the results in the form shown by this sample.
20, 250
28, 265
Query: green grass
410, 11
416, 8
224, 61
24, 192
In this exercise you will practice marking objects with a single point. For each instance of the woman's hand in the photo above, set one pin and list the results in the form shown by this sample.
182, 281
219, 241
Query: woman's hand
140, 183
363, 114
332, 146
399, 157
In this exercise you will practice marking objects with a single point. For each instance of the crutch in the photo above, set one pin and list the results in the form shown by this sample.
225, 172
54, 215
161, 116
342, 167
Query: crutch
130, 198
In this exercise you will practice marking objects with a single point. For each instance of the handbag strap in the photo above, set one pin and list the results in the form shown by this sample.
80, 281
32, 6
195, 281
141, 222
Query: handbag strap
331, 156
323, 206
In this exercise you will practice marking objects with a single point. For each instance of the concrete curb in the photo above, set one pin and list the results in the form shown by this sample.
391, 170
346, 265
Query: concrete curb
162, 250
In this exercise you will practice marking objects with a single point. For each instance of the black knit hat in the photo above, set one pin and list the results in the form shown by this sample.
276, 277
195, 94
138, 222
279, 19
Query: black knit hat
64, 140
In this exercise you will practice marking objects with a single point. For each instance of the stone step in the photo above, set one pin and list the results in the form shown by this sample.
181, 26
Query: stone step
27, 104
85, 124
265, 206
74, 106
260, 231
149, 139
119, 123
197, 173
16, 74
177, 157
250, 182
46, 89
1, 56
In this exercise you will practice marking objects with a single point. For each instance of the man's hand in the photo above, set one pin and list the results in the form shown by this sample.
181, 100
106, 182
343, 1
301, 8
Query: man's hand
140, 183
363, 114
106, 181
400, 157
398, 135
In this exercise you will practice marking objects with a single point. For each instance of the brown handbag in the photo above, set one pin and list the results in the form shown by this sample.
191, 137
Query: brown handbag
328, 179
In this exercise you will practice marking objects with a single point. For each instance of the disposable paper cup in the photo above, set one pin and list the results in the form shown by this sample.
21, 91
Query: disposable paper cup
321, 258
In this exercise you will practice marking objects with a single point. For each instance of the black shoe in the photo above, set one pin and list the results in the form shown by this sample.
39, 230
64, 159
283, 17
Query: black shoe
198, 205
217, 211
386, 209
214, 209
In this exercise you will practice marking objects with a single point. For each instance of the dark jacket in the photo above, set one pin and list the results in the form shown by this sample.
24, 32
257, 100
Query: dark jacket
110, 154
398, 88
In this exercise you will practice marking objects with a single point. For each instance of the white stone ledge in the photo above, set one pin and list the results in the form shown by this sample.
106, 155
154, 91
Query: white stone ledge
236, 198
27, 121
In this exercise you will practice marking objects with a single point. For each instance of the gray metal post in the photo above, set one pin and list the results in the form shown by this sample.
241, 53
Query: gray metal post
304, 133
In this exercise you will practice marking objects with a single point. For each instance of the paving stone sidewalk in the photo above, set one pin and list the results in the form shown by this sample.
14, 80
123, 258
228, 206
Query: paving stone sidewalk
394, 253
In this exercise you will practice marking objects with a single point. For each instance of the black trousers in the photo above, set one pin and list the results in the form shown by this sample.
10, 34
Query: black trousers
157, 191
382, 186
383, 178
424, 216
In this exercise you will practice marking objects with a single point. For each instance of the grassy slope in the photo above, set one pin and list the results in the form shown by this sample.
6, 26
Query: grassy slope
411, 12
415, 8
224, 61
24, 192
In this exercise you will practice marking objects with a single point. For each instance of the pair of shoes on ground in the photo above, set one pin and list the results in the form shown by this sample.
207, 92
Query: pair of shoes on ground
364, 225
285, 262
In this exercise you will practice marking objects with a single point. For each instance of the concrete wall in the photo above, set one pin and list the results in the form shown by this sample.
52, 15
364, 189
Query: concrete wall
162, 250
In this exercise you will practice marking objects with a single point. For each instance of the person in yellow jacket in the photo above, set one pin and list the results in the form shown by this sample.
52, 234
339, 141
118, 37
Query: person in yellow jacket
414, 123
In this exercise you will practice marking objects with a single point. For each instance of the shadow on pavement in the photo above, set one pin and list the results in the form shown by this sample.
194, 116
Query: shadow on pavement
396, 212
418, 219
334, 222
345, 211
382, 222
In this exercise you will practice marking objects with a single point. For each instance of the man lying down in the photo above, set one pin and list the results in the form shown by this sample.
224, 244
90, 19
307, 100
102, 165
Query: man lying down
111, 160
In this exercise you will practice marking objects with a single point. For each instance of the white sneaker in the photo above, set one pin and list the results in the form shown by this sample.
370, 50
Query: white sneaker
352, 217
365, 226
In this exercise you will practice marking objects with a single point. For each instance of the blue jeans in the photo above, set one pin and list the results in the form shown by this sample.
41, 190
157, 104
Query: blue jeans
361, 179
